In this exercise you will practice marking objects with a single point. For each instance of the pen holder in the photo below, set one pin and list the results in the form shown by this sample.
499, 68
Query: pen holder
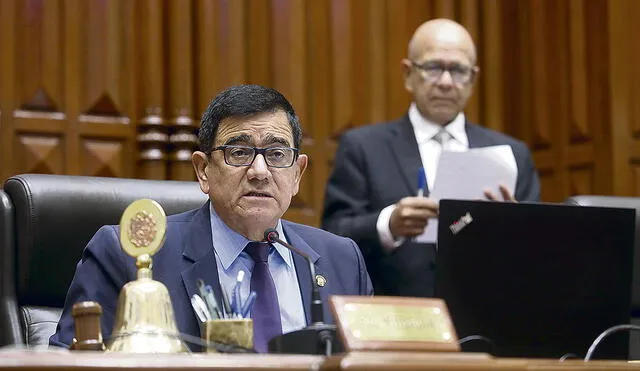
229, 331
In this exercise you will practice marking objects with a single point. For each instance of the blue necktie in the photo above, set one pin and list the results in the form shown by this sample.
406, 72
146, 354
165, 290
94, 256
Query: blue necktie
266, 310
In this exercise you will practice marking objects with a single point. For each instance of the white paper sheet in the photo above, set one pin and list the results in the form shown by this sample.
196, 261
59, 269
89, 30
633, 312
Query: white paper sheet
465, 176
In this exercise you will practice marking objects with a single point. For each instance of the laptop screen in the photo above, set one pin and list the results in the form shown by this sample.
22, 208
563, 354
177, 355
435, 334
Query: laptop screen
538, 280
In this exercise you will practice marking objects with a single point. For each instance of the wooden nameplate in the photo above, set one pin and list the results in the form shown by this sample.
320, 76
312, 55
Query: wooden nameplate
367, 323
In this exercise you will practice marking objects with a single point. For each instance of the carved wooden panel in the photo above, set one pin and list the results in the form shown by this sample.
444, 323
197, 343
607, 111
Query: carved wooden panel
102, 158
101, 89
40, 153
152, 129
623, 94
67, 76
117, 87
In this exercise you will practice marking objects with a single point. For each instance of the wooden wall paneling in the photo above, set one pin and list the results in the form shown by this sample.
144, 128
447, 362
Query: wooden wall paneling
597, 105
327, 71
581, 130
542, 99
620, 102
492, 98
377, 40
237, 44
223, 57
259, 63
469, 18
398, 35
105, 130
516, 88
290, 52
37, 128
356, 42
8, 20
132, 33
579, 138
558, 64
289, 46
206, 58
152, 134
80, 79
634, 160
182, 138
72, 82
339, 66
445, 9
230, 18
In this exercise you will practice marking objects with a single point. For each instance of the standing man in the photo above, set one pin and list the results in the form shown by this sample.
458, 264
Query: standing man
250, 165
371, 193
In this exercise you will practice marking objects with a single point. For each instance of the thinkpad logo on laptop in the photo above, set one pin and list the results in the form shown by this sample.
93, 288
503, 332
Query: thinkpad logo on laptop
459, 224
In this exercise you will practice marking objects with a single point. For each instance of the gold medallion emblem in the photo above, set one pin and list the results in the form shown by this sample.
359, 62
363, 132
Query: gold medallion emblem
142, 228
320, 280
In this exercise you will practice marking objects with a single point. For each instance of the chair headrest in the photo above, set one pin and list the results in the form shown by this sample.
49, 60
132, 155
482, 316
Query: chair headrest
606, 201
56, 215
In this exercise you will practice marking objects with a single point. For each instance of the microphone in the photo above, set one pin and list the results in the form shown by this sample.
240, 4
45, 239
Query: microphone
318, 338
317, 313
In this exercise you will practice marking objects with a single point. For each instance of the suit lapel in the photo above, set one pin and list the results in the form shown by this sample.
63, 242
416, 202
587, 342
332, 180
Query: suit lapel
302, 267
199, 250
476, 136
405, 148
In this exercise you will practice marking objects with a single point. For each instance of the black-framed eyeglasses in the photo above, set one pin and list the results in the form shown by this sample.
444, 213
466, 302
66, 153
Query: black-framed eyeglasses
280, 157
432, 72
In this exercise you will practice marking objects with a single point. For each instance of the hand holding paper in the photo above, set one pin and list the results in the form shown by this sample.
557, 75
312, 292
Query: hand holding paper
466, 176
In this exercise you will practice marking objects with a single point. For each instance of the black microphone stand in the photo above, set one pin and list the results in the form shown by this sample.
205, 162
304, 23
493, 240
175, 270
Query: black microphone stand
317, 338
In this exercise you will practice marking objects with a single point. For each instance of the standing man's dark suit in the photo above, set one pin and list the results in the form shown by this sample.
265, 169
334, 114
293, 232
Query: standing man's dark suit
376, 166
372, 194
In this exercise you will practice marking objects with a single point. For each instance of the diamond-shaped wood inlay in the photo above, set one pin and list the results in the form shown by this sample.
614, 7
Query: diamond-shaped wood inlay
41, 101
102, 158
104, 106
39, 154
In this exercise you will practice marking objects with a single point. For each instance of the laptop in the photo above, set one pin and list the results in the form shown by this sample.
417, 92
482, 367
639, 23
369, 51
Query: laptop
538, 280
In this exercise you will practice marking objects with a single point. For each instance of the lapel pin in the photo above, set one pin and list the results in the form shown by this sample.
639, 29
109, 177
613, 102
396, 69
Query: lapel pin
320, 280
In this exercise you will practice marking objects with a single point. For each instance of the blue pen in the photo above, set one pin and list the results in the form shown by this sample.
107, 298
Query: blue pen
422, 182
248, 304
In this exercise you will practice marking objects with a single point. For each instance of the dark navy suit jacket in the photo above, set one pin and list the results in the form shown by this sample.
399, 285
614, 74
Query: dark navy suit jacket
188, 255
376, 166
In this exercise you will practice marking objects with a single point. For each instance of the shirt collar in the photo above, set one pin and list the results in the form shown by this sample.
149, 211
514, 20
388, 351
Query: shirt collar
425, 129
229, 244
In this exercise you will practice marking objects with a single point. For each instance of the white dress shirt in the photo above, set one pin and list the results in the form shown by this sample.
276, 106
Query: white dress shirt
430, 149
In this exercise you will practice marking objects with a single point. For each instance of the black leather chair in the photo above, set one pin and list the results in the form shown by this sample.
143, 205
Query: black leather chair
45, 223
629, 203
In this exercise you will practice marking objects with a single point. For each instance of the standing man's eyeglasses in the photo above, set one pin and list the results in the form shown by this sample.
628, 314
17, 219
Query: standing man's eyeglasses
280, 157
432, 71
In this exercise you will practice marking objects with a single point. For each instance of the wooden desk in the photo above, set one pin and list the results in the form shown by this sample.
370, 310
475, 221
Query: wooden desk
90, 361
374, 361
95, 361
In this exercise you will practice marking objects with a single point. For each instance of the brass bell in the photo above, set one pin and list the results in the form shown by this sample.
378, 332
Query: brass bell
145, 322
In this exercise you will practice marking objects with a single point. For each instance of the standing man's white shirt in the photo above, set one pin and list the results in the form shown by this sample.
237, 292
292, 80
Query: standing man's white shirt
430, 150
